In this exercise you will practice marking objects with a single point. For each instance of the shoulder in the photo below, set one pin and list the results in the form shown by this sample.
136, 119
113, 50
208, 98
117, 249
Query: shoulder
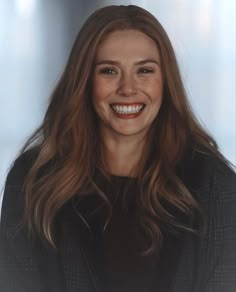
201, 168
212, 181
209, 177
214, 170
20, 167
13, 198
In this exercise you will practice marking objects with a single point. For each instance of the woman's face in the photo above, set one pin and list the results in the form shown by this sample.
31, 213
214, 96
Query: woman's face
127, 83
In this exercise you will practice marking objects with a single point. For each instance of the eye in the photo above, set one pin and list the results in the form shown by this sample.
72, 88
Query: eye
145, 70
108, 71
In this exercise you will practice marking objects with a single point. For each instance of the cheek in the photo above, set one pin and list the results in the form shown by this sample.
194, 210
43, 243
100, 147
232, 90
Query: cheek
100, 93
158, 86
101, 89
156, 106
155, 91
156, 96
98, 102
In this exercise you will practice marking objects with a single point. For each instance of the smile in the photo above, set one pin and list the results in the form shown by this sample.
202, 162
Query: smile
127, 109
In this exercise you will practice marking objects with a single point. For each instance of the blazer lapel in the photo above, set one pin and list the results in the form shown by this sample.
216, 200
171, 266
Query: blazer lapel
80, 248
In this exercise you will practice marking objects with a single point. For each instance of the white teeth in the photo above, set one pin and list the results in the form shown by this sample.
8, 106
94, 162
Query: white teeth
131, 109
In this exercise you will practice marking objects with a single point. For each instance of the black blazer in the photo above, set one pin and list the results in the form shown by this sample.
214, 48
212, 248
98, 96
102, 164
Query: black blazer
206, 264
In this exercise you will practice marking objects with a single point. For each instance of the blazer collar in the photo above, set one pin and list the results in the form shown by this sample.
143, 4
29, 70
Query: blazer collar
80, 247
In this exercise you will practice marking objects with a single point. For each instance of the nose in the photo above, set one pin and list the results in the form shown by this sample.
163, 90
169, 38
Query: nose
127, 85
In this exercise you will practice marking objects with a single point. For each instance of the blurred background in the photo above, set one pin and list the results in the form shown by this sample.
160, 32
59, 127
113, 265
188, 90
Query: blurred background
36, 37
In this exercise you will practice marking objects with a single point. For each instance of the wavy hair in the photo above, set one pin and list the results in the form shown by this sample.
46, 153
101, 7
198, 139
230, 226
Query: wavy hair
70, 150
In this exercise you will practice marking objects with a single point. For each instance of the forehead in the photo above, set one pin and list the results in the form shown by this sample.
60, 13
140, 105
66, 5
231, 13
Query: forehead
126, 43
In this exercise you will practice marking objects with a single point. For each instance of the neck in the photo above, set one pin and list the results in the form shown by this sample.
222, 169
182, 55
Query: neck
122, 154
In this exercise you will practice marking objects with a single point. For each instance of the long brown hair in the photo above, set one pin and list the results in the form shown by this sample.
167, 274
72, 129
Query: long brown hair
69, 149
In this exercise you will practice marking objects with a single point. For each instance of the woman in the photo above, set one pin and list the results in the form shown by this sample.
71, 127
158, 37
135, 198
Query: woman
120, 189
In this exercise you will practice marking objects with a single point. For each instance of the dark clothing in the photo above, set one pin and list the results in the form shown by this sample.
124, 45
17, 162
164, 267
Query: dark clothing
128, 270
80, 262
124, 241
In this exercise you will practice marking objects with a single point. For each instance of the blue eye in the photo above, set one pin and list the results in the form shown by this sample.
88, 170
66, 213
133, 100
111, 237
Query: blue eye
107, 71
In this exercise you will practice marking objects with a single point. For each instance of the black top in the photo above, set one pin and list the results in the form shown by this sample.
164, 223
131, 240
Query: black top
128, 269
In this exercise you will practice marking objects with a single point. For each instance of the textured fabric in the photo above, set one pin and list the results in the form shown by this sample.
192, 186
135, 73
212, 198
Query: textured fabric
205, 264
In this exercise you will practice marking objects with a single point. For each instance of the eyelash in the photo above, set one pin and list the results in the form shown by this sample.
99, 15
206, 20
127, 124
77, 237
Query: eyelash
107, 71
111, 71
145, 70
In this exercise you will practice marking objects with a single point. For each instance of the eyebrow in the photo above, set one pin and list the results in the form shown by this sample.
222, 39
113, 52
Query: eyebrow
142, 62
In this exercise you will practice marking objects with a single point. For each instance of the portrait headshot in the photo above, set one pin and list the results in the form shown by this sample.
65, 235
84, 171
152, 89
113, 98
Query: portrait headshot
121, 187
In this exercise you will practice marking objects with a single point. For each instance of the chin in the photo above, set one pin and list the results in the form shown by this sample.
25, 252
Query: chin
130, 132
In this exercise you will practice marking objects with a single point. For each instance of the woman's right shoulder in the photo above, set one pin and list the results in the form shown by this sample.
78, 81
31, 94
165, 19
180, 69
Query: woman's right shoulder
12, 202
21, 166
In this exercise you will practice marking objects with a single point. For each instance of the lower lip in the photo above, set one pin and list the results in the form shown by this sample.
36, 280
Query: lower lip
127, 116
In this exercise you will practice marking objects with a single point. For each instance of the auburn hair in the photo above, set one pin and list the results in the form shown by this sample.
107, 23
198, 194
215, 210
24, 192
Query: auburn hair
70, 149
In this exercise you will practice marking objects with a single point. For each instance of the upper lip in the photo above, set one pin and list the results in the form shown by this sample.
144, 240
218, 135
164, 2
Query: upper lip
127, 103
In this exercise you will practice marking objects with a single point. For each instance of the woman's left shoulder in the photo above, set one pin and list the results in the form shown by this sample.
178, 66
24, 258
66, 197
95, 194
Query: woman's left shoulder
217, 167
215, 173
